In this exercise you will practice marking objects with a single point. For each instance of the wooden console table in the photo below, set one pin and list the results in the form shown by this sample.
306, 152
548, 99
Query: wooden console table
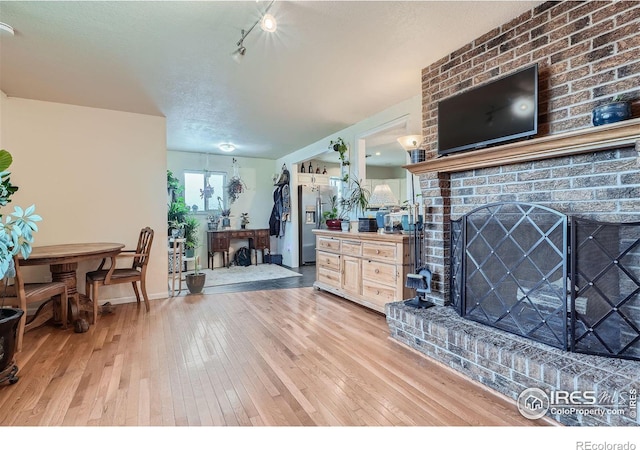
220, 241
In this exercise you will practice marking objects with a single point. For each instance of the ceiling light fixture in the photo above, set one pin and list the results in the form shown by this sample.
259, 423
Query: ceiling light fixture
267, 23
6, 28
227, 147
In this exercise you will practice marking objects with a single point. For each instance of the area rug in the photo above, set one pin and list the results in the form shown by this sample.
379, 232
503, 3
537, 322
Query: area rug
239, 274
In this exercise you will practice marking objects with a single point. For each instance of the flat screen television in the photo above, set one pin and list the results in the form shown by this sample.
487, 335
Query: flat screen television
505, 109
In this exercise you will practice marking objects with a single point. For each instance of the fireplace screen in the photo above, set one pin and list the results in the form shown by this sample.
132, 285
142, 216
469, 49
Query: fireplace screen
510, 268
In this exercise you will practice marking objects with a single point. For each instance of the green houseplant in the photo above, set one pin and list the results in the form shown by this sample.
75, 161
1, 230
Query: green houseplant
339, 146
244, 220
191, 227
358, 197
331, 215
195, 281
16, 237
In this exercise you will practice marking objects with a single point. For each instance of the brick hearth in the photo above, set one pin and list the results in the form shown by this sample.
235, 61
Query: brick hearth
509, 363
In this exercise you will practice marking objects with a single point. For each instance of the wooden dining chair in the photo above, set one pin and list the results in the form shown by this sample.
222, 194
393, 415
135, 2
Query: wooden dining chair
20, 294
114, 275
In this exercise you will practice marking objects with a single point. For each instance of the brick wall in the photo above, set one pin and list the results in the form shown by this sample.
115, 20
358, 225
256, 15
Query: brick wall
586, 53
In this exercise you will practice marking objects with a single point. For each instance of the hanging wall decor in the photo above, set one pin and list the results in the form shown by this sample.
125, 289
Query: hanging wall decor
236, 186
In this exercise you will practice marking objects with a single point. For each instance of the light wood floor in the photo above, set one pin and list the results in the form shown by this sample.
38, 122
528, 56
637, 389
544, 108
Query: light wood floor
278, 357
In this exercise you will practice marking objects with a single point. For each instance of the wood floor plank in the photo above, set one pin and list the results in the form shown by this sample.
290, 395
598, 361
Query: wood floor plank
293, 357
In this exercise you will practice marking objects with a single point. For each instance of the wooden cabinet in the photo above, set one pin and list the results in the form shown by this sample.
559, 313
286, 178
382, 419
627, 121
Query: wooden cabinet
313, 178
220, 241
367, 268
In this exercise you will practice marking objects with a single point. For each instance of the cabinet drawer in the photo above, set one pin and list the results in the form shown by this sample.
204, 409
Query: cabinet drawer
379, 272
351, 248
380, 252
377, 293
241, 234
328, 261
328, 276
329, 244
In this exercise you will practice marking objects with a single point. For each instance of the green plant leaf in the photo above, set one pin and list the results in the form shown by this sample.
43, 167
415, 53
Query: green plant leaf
5, 160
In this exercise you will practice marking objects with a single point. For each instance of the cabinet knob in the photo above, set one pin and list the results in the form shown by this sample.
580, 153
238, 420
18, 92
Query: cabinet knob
377, 252
377, 292
377, 271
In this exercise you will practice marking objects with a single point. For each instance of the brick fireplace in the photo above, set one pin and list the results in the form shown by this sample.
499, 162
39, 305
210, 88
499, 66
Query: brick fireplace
586, 53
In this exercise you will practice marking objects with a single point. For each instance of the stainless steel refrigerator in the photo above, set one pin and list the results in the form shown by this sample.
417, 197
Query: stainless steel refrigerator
312, 201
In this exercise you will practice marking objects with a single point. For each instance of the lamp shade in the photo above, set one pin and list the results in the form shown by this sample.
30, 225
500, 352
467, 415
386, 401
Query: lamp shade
410, 142
382, 196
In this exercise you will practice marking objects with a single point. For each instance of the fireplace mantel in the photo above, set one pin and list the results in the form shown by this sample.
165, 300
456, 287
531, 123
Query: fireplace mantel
616, 135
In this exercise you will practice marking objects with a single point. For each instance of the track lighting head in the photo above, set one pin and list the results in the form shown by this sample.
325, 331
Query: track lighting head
267, 23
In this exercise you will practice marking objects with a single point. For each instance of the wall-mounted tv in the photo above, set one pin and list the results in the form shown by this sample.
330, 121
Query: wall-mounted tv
501, 110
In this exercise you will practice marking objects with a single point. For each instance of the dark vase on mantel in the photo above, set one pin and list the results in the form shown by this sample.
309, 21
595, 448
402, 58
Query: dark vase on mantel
611, 113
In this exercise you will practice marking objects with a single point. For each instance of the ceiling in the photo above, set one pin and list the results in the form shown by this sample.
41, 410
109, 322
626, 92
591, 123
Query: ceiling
328, 65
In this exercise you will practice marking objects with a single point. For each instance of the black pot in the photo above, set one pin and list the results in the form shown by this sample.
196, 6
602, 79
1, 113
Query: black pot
611, 113
9, 321
195, 283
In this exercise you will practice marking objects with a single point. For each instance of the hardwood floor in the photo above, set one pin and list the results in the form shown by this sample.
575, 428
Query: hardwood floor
276, 357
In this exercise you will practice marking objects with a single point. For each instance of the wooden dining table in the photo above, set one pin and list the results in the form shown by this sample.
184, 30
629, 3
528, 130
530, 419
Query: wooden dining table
63, 260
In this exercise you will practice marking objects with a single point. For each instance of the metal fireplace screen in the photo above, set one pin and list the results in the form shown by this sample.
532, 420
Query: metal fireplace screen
510, 269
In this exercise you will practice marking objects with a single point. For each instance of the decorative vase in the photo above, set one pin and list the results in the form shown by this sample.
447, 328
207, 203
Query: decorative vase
9, 321
611, 113
344, 225
195, 282
334, 224
226, 222
189, 252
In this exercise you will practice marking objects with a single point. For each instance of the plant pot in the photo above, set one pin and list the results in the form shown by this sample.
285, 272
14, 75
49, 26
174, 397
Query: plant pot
334, 224
242, 226
344, 225
189, 252
226, 222
611, 113
9, 321
195, 282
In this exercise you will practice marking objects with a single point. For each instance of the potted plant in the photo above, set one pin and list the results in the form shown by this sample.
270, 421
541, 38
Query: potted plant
213, 222
358, 198
176, 215
616, 110
339, 146
331, 216
235, 187
173, 186
195, 281
224, 213
244, 220
191, 227
16, 237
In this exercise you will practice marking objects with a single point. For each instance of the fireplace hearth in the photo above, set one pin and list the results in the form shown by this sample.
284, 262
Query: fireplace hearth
560, 280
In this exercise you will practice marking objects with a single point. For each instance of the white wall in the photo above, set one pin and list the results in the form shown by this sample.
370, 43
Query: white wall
257, 200
412, 108
94, 175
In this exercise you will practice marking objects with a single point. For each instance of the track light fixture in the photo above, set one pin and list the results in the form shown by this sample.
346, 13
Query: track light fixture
267, 23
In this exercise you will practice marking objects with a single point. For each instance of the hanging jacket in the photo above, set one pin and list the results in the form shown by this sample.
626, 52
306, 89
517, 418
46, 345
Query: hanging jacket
276, 212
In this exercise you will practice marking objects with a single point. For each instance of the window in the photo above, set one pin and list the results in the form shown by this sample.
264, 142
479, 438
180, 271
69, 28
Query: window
202, 189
